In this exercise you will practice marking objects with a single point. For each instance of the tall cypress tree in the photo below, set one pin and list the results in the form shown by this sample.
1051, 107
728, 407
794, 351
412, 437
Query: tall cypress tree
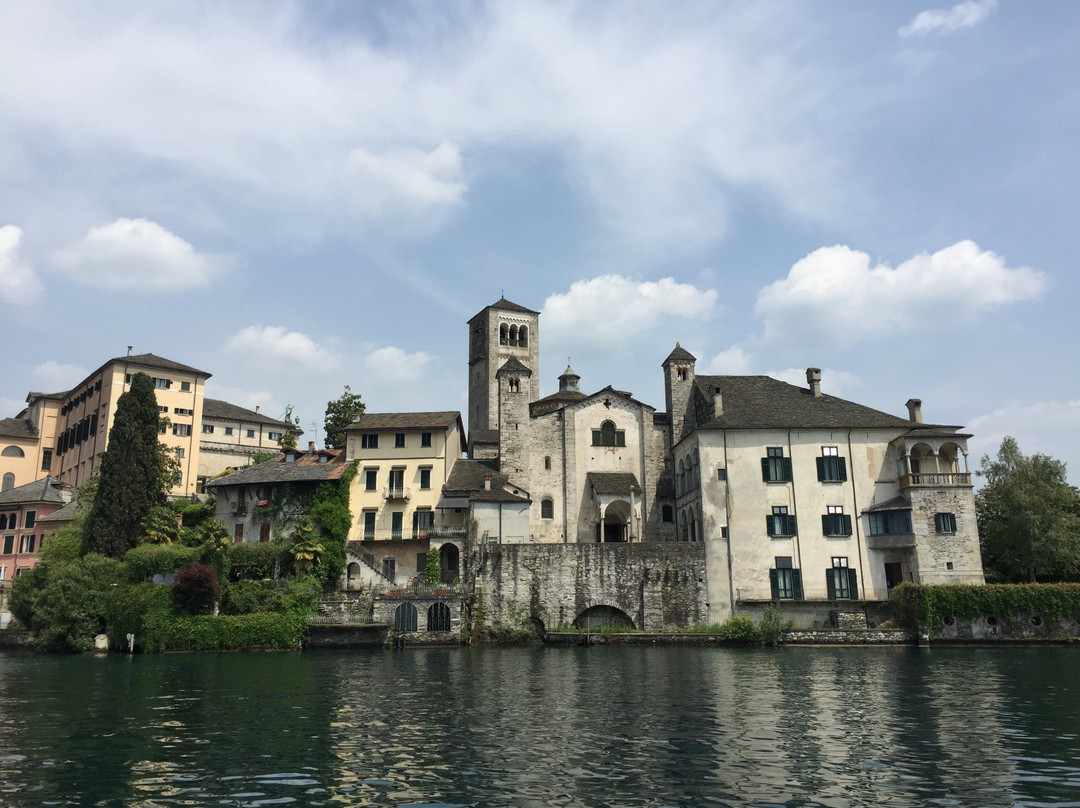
132, 475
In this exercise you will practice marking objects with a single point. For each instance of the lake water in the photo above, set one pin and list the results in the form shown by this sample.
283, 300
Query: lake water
543, 726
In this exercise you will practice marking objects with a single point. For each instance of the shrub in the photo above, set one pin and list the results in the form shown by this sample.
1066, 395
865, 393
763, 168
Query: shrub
147, 560
129, 607
169, 632
196, 588
773, 625
255, 559
739, 627
930, 603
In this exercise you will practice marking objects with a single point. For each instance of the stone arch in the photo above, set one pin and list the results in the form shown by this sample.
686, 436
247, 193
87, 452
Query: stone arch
438, 617
504, 331
449, 562
352, 576
405, 617
599, 616
536, 625
615, 521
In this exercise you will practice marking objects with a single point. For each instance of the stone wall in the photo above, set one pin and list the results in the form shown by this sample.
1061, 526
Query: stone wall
659, 586
991, 629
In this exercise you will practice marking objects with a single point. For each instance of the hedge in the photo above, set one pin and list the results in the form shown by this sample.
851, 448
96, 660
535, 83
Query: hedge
931, 603
147, 560
169, 632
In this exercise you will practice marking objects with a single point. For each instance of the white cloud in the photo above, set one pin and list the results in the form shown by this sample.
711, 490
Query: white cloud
397, 178
833, 382
834, 296
616, 307
268, 403
1046, 427
733, 362
10, 407
133, 254
19, 284
276, 346
393, 364
54, 377
938, 20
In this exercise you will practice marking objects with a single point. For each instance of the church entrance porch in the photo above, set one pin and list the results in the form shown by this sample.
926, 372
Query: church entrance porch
614, 525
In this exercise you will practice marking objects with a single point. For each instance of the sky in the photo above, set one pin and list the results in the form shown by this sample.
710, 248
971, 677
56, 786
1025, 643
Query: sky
299, 197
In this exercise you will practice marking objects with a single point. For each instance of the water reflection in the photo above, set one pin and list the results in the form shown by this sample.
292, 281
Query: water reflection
544, 727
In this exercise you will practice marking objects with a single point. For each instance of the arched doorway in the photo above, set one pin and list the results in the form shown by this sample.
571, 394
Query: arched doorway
405, 617
615, 525
449, 563
596, 617
438, 617
352, 576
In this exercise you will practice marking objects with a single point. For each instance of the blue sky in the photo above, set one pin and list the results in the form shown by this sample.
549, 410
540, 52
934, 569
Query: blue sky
296, 197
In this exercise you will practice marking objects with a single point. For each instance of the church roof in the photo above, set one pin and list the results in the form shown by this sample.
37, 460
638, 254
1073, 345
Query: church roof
506, 305
569, 372
562, 395
613, 482
761, 402
17, 428
224, 411
681, 354
515, 365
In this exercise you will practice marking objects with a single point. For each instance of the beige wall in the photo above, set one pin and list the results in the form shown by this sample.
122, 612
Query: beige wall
219, 451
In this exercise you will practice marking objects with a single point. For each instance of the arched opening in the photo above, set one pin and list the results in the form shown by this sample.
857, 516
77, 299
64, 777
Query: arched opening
405, 617
513, 335
9, 482
597, 617
438, 617
352, 576
547, 508
537, 626
615, 526
523, 337
12, 451
3, 521
449, 560
504, 331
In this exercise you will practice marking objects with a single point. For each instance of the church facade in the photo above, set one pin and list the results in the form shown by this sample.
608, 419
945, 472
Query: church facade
796, 495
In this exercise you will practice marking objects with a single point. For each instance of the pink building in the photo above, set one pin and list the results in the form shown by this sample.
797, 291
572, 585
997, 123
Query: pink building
21, 531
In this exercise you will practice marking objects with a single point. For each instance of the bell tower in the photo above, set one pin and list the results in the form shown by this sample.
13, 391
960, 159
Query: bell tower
500, 332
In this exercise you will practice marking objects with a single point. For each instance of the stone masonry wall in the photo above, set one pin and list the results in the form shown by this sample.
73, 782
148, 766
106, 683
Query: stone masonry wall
660, 586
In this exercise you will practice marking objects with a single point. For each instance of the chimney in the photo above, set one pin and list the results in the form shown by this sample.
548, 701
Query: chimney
718, 403
813, 378
914, 410
311, 446
129, 350
487, 482
256, 409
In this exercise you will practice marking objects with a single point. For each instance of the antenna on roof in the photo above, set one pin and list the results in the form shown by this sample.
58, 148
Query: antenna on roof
315, 426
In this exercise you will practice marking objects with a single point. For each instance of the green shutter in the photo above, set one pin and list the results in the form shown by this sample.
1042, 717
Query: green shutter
847, 524
788, 477
853, 584
821, 469
825, 523
830, 584
774, 584
769, 525
765, 469
796, 583
793, 528
842, 463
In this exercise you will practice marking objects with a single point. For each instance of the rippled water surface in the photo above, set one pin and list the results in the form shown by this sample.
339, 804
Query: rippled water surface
544, 727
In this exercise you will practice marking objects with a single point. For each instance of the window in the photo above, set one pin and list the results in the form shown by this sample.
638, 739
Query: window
721, 474
785, 581
273, 436
3, 522
8, 483
208, 429
181, 430
182, 411
185, 387
405, 613
421, 563
9, 545
397, 518
831, 468
28, 544
667, 513
547, 509
179, 451
163, 426
228, 430
781, 523
425, 479
238, 532
12, 451
397, 482
264, 531
178, 478
504, 334
425, 440
163, 409
547, 462
835, 522
162, 384
371, 477
46, 459
369, 525
30, 519
250, 433
840, 580
682, 374
514, 385
399, 440
775, 468
608, 435
887, 523
369, 440
438, 617
423, 520
945, 522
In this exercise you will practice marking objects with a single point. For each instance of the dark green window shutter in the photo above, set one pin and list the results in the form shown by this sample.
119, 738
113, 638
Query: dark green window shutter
769, 525
787, 469
821, 469
793, 528
830, 584
765, 469
774, 584
847, 524
842, 462
853, 584
826, 523
796, 583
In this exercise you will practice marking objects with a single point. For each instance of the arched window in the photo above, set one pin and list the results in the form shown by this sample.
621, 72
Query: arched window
3, 521
523, 336
547, 462
12, 451
608, 435
405, 617
513, 385
9, 482
504, 331
438, 617
513, 335
696, 469
680, 482
547, 509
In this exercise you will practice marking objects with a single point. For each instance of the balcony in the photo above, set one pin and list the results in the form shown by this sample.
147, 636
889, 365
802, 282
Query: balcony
397, 492
890, 541
936, 479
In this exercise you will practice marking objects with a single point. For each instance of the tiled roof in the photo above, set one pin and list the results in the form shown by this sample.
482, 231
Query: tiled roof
405, 420
306, 468
894, 504
224, 411
612, 482
484, 436
63, 514
514, 365
506, 305
467, 479
47, 489
149, 360
562, 395
17, 428
761, 402
679, 353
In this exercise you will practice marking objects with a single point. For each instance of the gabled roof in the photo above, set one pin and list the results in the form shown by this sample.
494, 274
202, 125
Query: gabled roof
307, 468
679, 354
47, 489
467, 479
149, 360
609, 391
17, 428
761, 402
612, 482
514, 365
506, 305
224, 411
407, 420
62, 514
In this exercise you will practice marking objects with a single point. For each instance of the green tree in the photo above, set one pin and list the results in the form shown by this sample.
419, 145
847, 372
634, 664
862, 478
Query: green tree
1029, 516
432, 573
287, 440
339, 414
134, 475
